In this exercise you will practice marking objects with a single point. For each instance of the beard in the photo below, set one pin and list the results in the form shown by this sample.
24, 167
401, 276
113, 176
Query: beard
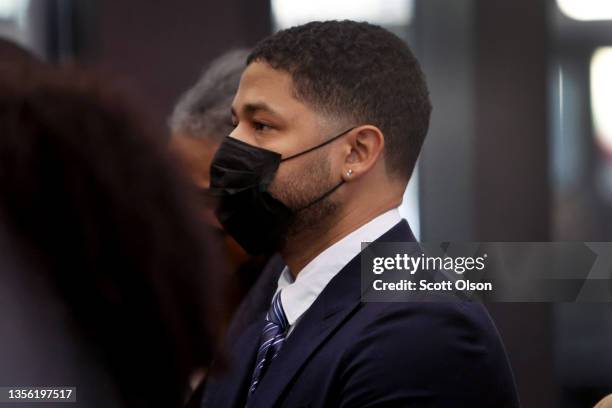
303, 195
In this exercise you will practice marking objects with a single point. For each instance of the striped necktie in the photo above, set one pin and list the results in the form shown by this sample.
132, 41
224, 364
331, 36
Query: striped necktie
272, 339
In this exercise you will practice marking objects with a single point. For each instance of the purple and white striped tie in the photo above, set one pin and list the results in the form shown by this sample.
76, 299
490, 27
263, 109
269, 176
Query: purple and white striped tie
272, 339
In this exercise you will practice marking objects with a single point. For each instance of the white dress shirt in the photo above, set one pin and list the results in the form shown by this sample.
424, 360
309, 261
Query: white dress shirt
299, 294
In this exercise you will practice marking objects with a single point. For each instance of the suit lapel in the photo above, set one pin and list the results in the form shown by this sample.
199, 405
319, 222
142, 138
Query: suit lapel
316, 325
333, 307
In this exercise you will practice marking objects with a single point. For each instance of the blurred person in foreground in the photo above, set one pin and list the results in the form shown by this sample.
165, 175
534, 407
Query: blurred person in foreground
329, 121
116, 272
200, 121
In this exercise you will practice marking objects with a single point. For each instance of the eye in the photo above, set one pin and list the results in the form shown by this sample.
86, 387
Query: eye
259, 127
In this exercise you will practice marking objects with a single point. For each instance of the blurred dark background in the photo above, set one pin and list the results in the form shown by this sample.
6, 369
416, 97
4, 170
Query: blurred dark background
520, 145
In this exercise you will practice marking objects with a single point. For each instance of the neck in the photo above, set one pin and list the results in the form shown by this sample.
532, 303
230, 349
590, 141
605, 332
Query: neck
304, 246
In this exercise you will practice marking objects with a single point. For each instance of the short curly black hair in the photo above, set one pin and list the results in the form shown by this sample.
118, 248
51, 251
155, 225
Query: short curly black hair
358, 72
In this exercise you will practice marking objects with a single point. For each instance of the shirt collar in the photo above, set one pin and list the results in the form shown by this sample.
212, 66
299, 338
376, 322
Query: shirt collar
299, 294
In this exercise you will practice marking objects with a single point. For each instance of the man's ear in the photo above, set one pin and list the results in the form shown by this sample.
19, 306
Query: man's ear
366, 145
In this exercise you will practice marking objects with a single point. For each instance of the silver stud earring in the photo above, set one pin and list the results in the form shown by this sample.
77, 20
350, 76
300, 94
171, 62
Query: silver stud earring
349, 173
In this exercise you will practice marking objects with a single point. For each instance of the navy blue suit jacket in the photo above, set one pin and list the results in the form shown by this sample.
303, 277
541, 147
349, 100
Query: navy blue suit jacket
345, 353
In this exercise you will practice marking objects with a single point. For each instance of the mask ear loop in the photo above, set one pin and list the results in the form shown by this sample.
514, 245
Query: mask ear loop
337, 186
319, 145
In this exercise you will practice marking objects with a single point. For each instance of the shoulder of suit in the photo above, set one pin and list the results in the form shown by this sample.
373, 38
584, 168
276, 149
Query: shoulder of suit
407, 322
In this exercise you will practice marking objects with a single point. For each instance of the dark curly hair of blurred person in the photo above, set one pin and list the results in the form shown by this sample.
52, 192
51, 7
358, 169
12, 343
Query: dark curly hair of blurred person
92, 199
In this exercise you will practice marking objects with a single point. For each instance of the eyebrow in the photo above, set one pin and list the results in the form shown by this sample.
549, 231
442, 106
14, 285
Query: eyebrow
253, 107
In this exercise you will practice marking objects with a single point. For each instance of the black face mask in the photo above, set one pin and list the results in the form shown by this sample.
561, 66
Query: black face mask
240, 175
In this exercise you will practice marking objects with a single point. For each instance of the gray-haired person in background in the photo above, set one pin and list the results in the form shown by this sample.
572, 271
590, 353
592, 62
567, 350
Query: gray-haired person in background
202, 117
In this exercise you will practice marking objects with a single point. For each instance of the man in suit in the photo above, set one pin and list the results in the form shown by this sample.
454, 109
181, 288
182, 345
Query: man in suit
329, 121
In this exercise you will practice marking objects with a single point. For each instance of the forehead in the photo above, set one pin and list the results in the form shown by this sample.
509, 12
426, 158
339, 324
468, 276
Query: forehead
261, 75
262, 84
